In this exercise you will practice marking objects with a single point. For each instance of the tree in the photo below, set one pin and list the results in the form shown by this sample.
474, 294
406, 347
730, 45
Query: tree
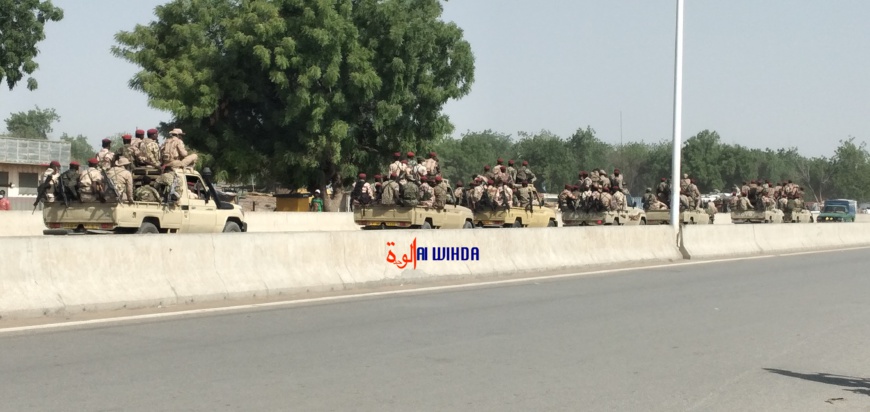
33, 124
849, 170
701, 155
308, 91
461, 158
549, 158
80, 149
21, 27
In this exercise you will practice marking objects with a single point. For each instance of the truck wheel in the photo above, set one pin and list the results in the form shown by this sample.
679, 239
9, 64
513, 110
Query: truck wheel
468, 225
517, 223
426, 225
147, 228
232, 227
552, 223
642, 221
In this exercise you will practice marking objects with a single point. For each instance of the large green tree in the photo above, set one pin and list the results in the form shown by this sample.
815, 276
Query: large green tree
305, 91
80, 149
22, 25
32, 124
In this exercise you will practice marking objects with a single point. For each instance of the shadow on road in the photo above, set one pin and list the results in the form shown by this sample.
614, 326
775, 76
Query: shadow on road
860, 385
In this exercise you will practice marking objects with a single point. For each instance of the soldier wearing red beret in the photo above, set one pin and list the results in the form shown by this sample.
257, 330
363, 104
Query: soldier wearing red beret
105, 157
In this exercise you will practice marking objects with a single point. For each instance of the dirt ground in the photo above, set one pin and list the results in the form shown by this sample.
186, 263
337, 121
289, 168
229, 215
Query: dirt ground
259, 202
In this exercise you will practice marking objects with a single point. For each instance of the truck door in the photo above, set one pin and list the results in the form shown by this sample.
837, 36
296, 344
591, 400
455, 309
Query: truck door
200, 216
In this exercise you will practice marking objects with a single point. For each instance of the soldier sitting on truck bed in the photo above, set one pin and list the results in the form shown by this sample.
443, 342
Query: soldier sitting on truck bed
146, 192
90, 185
390, 195
619, 202
656, 204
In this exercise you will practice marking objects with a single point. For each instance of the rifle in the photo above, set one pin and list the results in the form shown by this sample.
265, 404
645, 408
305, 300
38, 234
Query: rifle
62, 190
171, 192
111, 184
40, 192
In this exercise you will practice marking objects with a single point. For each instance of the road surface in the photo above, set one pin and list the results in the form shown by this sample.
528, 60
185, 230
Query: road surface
775, 334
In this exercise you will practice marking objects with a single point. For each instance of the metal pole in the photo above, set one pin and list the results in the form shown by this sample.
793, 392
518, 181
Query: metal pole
678, 113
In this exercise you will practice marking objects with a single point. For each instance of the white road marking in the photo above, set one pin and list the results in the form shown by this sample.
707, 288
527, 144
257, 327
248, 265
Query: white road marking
394, 292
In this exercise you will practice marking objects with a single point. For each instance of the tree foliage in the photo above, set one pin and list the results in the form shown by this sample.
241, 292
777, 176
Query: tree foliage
32, 124
21, 28
304, 91
80, 149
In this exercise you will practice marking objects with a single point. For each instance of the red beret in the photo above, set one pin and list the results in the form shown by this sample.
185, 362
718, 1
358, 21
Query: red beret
74, 163
424, 179
362, 175
410, 154
458, 184
377, 176
397, 154
510, 162
107, 141
503, 168
54, 163
438, 178
499, 161
93, 161
568, 186
486, 167
140, 132
152, 131
615, 170
432, 154
127, 137
489, 182
404, 161
392, 175
525, 162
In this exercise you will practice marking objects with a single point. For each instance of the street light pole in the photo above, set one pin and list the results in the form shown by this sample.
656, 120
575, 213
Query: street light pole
678, 119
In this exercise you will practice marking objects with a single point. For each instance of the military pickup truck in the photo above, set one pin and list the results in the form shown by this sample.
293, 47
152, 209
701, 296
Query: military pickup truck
197, 209
797, 216
687, 217
516, 217
630, 216
413, 217
756, 216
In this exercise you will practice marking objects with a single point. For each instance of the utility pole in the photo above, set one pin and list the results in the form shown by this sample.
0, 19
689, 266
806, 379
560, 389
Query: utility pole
678, 119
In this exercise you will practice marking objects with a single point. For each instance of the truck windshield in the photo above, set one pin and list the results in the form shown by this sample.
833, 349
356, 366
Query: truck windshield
835, 209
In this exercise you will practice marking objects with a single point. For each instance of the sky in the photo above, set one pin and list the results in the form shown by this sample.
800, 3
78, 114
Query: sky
775, 73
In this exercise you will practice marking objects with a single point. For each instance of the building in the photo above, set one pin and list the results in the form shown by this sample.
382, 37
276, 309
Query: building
22, 162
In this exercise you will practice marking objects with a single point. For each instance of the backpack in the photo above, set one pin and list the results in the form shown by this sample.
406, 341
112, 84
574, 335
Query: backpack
68, 182
409, 194
440, 197
388, 197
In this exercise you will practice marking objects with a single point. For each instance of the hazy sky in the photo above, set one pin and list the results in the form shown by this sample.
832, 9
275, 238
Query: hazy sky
761, 73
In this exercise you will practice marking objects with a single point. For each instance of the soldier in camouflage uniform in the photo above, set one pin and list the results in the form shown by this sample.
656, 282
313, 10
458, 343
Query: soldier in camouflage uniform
426, 193
512, 172
391, 192
91, 186
123, 180
431, 164
396, 168
440, 193
127, 150
146, 192
459, 194
606, 199
647, 199
410, 193
618, 201
105, 157
567, 199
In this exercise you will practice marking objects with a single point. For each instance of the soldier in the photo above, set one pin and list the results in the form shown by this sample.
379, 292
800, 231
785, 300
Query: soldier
603, 180
657, 204
527, 173
405, 173
617, 179
127, 150
648, 198
378, 189
409, 192
686, 181
149, 153
459, 194
426, 193
49, 181
174, 154
123, 180
734, 201
146, 192
491, 193
432, 168
512, 171
69, 181
744, 204
138, 141
744, 190
487, 173
171, 185
663, 191
506, 194
441, 193
567, 198
392, 191
397, 167
420, 169
605, 198
619, 201
105, 157
411, 162
362, 193
91, 186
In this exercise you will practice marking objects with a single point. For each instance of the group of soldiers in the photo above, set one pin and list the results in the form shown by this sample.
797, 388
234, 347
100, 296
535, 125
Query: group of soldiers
595, 191
109, 178
690, 195
419, 183
761, 195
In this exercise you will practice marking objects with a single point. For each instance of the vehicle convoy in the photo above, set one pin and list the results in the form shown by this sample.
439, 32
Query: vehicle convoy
377, 216
516, 217
194, 208
687, 217
838, 210
757, 216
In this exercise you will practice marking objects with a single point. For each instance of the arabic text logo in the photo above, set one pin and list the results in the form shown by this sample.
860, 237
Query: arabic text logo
437, 253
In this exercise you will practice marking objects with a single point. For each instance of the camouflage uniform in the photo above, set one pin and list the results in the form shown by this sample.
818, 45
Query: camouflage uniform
123, 180
410, 193
105, 158
656, 204
431, 165
91, 184
174, 154
146, 193
619, 200
391, 192
512, 172
606, 200
566, 199
427, 194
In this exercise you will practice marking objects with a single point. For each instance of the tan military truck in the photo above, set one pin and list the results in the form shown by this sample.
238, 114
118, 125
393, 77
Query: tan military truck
413, 217
756, 216
630, 216
687, 217
516, 217
195, 209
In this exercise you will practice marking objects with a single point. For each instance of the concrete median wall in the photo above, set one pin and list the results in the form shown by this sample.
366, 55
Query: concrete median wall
59, 275
706, 242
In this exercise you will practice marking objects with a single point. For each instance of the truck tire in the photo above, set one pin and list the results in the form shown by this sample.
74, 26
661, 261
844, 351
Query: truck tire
468, 225
147, 228
232, 227
552, 224
517, 223
426, 225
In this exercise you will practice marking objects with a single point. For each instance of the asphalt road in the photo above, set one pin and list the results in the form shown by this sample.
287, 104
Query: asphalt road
769, 334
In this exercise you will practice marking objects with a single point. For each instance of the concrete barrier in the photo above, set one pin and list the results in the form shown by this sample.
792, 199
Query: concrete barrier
706, 242
58, 275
